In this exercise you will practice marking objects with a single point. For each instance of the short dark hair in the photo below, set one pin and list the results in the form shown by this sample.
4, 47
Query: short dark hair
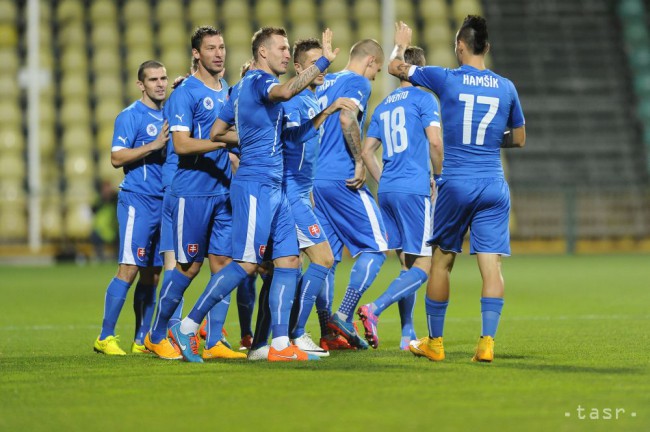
200, 33
366, 47
301, 46
474, 33
263, 35
149, 64
414, 55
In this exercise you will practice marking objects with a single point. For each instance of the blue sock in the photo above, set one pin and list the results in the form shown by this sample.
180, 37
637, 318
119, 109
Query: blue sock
364, 272
435, 316
115, 297
406, 307
324, 301
177, 315
406, 284
144, 306
310, 286
246, 304
219, 286
490, 314
281, 294
171, 294
216, 318
263, 323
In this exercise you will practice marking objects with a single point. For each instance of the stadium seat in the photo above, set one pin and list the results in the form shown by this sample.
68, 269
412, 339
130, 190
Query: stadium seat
8, 87
14, 223
9, 61
74, 59
404, 11
104, 34
106, 60
301, 12
8, 11
74, 111
69, 11
202, 12
438, 36
269, 13
342, 38
78, 165
433, 10
47, 142
332, 11
76, 138
640, 59
173, 36
10, 113
46, 110
307, 29
169, 11
79, 190
107, 109
237, 36
138, 35
442, 56
137, 12
78, 221
103, 11
366, 10
12, 166
74, 84
11, 138
72, 34
462, 8
630, 9
236, 10
234, 61
51, 221
368, 28
104, 137
12, 192
8, 35
107, 171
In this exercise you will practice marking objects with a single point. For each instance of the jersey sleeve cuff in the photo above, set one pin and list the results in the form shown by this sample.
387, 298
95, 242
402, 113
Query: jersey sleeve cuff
118, 148
358, 102
179, 128
412, 70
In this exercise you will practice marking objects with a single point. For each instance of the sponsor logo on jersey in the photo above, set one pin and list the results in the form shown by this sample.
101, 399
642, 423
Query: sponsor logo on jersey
122, 139
142, 253
314, 230
262, 250
152, 130
208, 103
192, 249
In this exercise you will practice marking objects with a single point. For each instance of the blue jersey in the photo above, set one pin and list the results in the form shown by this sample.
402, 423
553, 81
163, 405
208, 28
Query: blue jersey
399, 122
335, 162
477, 107
136, 126
259, 125
301, 142
193, 107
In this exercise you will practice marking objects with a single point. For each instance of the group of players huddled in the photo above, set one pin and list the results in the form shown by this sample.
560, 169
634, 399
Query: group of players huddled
252, 175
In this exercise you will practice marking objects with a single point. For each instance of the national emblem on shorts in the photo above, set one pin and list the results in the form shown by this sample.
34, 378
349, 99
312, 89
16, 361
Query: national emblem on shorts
152, 130
262, 250
142, 253
192, 249
314, 230
208, 103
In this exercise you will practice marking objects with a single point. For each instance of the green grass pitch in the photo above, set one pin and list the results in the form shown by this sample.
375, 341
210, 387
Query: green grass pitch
571, 354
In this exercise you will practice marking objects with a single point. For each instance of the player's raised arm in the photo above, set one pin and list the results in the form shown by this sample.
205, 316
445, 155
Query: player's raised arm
295, 85
397, 66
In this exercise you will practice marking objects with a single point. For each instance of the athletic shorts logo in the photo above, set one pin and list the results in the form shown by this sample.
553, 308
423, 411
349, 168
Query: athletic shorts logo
142, 253
208, 103
152, 130
314, 230
192, 249
262, 250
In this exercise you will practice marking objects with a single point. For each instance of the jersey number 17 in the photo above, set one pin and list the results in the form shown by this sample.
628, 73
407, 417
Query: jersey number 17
468, 114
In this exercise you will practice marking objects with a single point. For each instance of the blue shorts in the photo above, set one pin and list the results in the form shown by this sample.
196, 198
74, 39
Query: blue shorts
202, 225
261, 215
308, 228
349, 217
480, 205
408, 221
139, 216
166, 231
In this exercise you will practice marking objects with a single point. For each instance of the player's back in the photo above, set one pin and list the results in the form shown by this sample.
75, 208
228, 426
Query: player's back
477, 107
136, 126
193, 107
399, 122
259, 124
335, 162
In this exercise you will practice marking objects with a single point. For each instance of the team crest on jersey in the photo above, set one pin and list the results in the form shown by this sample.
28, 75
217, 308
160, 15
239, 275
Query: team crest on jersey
208, 103
142, 253
262, 250
192, 249
314, 230
152, 130
311, 113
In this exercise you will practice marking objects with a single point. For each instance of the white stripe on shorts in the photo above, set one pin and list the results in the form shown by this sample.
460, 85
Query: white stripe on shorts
426, 232
179, 229
374, 222
303, 241
250, 254
127, 251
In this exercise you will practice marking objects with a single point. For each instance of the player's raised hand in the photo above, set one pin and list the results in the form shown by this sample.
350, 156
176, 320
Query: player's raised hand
327, 46
162, 138
341, 103
179, 80
402, 34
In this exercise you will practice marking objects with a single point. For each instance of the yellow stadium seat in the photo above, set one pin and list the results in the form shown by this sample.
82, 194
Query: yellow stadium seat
10, 113
269, 13
177, 62
46, 141
11, 138
74, 111
104, 34
8, 87
8, 35
370, 28
332, 11
202, 12
433, 10
78, 221
108, 86
173, 35
137, 12
80, 190
234, 60
74, 59
8, 11
72, 34
169, 10
138, 35
104, 138
235, 10
438, 36
74, 84
49, 175
106, 60
342, 38
12, 166
46, 111
103, 11
106, 110
78, 165
77, 137
367, 10
404, 11
237, 36
12, 192
51, 221
461, 8
9, 61
306, 29
301, 11
70, 11
442, 56
13, 223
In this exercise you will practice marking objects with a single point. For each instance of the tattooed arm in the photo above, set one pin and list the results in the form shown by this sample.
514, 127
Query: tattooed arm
352, 135
397, 67
295, 85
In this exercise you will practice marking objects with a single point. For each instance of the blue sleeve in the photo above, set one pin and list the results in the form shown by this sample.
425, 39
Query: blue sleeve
124, 132
293, 130
357, 89
516, 118
180, 111
431, 77
227, 113
429, 111
263, 85
374, 129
